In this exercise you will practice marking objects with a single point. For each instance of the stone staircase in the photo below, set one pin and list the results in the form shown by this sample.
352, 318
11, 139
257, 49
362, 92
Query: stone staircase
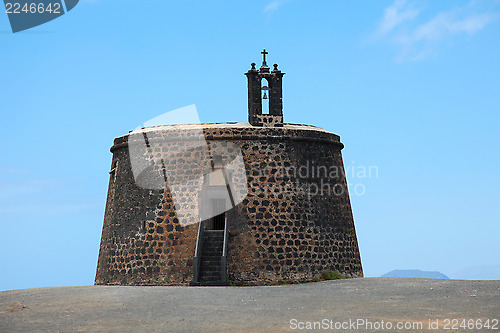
210, 264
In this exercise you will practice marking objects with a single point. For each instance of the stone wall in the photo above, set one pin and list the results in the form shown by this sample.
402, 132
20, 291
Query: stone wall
295, 221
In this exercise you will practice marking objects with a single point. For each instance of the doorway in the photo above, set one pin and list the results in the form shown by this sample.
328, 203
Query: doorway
217, 222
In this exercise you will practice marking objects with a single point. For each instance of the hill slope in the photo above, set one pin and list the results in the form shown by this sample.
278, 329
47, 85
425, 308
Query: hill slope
415, 273
254, 309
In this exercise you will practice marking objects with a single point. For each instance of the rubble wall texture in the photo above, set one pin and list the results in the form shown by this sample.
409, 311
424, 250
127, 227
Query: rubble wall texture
295, 221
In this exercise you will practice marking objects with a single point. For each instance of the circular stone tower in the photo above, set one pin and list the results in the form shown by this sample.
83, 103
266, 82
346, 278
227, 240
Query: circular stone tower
252, 203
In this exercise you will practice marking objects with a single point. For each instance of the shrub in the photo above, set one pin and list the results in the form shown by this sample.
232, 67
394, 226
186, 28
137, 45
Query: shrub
328, 274
289, 281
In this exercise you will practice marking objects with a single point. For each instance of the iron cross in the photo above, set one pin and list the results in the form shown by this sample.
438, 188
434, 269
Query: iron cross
264, 55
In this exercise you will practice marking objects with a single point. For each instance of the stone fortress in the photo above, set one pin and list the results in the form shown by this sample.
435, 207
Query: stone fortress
255, 203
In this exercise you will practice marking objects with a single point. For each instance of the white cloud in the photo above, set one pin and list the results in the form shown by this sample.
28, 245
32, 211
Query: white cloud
419, 40
394, 15
446, 24
274, 6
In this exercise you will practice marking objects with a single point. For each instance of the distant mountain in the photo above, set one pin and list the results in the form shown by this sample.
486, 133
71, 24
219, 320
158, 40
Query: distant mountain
415, 273
491, 272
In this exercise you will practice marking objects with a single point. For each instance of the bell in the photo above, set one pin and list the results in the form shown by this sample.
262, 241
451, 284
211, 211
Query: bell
265, 89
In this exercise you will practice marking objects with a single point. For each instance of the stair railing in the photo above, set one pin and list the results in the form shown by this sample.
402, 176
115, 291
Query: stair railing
224, 251
226, 228
197, 252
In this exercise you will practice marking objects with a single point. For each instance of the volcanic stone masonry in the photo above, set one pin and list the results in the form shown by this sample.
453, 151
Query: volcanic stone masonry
294, 218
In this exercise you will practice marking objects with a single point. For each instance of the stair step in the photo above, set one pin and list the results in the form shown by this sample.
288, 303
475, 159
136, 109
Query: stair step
212, 243
212, 252
212, 283
211, 270
212, 246
213, 240
205, 261
210, 261
210, 264
210, 267
210, 277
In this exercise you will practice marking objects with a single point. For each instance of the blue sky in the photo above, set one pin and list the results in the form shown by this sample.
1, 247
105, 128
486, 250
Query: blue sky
412, 87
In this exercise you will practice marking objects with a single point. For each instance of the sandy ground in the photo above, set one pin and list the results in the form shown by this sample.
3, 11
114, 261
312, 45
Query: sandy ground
354, 303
